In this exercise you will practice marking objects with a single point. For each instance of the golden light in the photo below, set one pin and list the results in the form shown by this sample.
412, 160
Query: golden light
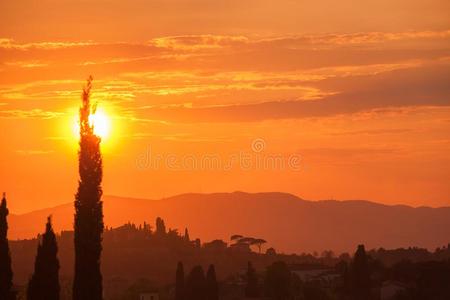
99, 121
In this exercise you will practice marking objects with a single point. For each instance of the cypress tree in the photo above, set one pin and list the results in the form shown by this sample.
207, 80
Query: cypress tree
360, 275
87, 284
160, 227
44, 284
195, 284
212, 288
179, 286
6, 273
186, 235
278, 281
251, 289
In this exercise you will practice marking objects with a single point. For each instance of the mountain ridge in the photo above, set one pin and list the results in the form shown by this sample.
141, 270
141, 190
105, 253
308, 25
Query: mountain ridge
288, 222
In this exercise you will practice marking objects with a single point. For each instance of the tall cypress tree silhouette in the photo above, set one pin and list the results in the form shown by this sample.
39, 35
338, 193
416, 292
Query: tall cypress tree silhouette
44, 284
87, 284
179, 286
212, 288
6, 273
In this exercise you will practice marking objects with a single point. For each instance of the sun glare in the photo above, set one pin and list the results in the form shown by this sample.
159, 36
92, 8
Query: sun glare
100, 122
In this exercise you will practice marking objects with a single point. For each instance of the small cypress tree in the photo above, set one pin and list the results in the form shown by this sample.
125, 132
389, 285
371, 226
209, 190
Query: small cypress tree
251, 289
212, 288
160, 227
179, 287
44, 284
186, 235
6, 273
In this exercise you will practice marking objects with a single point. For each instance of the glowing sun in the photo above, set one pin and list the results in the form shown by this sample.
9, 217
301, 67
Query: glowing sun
99, 121
101, 124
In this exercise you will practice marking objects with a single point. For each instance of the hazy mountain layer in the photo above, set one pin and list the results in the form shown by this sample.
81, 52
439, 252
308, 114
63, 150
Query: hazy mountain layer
288, 223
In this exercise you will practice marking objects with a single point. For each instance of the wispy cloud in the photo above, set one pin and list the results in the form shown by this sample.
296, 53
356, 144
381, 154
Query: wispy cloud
356, 38
425, 86
381, 131
226, 76
27, 64
36, 113
198, 42
34, 152
11, 44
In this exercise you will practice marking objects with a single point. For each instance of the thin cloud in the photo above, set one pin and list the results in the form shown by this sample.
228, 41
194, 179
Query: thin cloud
11, 44
34, 152
27, 114
27, 64
425, 86
198, 42
381, 131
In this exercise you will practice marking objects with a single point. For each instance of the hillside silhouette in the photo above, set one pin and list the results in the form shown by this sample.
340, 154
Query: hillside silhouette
147, 257
289, 223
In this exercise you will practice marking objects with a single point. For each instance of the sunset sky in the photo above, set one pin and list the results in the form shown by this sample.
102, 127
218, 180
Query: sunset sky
358, 92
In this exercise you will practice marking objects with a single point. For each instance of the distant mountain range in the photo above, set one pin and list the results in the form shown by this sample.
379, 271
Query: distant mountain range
288, 223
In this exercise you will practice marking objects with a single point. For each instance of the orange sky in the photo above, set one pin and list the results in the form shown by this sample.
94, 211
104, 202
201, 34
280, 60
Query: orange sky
359, 94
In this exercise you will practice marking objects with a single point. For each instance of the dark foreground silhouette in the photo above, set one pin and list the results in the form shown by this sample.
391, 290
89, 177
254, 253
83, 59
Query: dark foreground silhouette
140, 258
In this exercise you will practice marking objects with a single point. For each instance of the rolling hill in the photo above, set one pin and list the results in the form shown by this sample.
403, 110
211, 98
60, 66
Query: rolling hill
288, 223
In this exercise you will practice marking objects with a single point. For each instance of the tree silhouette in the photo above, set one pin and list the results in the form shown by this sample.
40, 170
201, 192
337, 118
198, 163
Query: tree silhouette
278, 281
212, 288
44, 284
195, 284
179, 286
360, 275
251, 289
246, 240
186, 235
87, 284
236, 237
6, 273
160, 227
271, 251
258, 243
249, 241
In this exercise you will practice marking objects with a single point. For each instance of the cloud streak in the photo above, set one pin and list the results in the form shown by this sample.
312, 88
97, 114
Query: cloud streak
402, 88
36, 113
